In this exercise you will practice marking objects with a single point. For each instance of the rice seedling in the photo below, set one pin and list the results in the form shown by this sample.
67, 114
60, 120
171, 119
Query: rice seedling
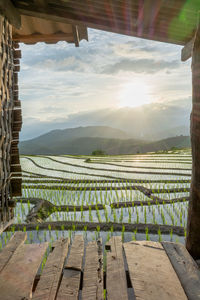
72, 187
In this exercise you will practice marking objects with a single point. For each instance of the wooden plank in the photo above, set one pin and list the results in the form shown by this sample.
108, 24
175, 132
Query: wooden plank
16, 61
93, 272
186, 52
17, 54
116, 278
16, 279
6, 253
16, 46
70, 284
17, 115
75, 260
186, 268
15, 168
151, 273
8, 10
48, 285
16, 68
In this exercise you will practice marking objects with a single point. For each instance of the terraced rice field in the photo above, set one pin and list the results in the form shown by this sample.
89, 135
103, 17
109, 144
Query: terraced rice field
136, 196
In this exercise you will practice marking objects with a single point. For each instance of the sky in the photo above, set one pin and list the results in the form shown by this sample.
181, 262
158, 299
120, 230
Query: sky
59, 82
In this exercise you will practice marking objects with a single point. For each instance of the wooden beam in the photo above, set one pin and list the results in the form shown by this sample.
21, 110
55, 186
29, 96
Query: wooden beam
8, 10
48, 38
76, 35
186, 52
193, 223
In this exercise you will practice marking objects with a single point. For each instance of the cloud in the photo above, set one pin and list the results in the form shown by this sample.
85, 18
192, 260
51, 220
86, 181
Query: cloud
59, 82
61, 56
149, 66
102, 49
140, 48
132, 49
144, 121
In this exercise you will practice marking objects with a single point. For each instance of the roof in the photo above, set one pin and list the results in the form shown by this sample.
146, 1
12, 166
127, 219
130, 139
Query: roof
35, 30
172, 21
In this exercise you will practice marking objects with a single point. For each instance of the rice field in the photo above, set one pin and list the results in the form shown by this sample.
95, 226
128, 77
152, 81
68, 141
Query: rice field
135, 196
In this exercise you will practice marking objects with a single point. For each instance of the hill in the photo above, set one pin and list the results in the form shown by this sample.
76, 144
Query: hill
84, 140
150, 122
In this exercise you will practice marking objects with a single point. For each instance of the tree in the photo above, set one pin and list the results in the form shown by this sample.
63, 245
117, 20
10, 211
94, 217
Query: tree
98, 152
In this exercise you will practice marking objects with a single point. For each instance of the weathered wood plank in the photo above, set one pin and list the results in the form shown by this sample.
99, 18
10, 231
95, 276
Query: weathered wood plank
16, 240
151, 273
116, 278
16, 279
8, 10
186, 52
17, 54
75, 261
69, 287
186, 269
93, 272
48, 285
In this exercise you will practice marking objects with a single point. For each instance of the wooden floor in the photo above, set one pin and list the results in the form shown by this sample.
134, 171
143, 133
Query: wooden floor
135, 270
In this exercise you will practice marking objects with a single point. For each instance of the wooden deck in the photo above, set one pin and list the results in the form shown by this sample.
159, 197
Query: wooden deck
135, 270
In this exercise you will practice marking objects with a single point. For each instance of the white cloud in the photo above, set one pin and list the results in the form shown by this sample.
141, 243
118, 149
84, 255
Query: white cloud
57, 80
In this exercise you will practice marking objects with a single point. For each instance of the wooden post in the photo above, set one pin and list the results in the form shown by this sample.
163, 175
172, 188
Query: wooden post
193, 224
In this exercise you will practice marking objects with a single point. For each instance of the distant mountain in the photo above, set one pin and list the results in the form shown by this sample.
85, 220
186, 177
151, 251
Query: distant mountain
79, 132
84, 140
175, 131
62, 138
151, 122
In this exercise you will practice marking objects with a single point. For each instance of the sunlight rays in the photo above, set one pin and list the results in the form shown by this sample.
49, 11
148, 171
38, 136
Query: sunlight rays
134, 94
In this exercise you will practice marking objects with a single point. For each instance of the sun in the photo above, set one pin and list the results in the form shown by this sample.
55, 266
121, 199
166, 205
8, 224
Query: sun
133, 94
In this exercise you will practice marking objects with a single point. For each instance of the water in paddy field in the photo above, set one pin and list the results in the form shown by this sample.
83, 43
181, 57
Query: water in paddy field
125, 189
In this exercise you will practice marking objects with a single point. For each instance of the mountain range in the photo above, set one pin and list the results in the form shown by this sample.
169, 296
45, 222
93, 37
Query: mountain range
84, 140
151, 122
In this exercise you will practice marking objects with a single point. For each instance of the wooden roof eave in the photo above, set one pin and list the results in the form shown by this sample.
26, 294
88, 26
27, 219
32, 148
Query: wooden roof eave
121, 17
13, 15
